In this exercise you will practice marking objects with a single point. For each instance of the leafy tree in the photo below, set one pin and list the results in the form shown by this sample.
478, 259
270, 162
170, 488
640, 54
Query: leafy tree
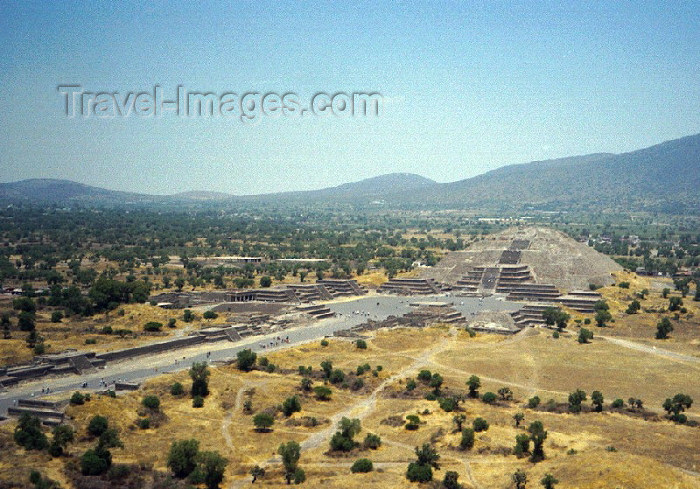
585, 336
361, 344
575, 400
56, 316
425, 376
210, 468
291, 405
538, 435
265, 281
459, 420
197, 402
290, 453
210, 315
306, 384
519, 478
548, 481
436, 382
634, 307
257, 472
554, 315
372, 441
95, 461
327, 367
533, 402
448, 404
188, 316
410, 385
77, 399
602, 317
421, 469
474, 383
26, 321
665, 292
618, 403
97, 425
342, 440
676, 405
62, 435
663, 328
451, 480
337, 376
467, 440
182, 457
597, 400
505, 393
28, 433
518, 417
245, 359
199, 373
263, 422
674, 303
362, 465
522, 445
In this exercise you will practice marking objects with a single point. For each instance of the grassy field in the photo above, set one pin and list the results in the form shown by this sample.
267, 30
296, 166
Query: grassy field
587, 450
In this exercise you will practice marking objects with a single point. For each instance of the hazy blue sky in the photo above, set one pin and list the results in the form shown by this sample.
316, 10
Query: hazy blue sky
468, 87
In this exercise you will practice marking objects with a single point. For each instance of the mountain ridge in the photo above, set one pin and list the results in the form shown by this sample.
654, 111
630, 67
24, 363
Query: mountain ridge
663, 177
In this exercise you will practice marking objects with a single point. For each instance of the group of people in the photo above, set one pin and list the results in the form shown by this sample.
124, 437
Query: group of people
277, 341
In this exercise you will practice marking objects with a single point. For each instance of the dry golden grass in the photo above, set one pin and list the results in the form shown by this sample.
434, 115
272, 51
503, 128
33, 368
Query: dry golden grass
534, 364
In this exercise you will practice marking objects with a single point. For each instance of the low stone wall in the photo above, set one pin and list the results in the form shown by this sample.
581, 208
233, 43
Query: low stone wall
152, 348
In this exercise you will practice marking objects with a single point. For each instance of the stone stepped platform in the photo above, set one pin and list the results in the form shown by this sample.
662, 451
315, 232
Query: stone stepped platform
534, 292
339, 287
317, 311
409, 286
580, 300
530, 315
49, 417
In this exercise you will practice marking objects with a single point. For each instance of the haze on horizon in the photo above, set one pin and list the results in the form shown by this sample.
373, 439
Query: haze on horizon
467, 88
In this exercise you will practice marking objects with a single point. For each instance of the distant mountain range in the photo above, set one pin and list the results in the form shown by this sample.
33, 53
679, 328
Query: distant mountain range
664, 177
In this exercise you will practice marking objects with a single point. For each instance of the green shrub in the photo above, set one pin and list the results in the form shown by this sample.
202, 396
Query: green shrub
412, 422
176, 389
56, 316
210, 315
153, 326
372, 441
151, 402
618, 403
322, 392
533, 402
291, 405
324, 342
362, 345
28, 433
419, 473
144, 423
467, 441
362, 465
488, 397
197, 402
97, 425
480, 424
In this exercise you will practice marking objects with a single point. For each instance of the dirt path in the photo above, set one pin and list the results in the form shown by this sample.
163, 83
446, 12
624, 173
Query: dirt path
361, 409
651, 350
